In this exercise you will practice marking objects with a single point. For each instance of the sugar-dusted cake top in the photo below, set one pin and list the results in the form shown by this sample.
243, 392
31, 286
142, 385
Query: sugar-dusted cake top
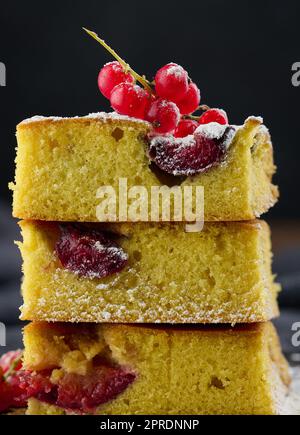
211, 128
189, 155
103, 116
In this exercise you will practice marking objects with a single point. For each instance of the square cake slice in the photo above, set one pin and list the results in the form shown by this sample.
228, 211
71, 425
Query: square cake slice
165, 369
62, 162
147, 273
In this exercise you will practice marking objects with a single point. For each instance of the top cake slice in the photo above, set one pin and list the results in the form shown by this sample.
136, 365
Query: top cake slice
62, 162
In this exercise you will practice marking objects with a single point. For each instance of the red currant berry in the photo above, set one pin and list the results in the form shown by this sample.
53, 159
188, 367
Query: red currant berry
129, 99
110, 76
164, 115
10, 358
171, 82
6, 396
185, 127
190, 101
214, 115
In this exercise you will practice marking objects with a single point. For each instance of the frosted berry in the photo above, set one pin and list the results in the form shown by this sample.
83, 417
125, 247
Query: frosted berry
111, 75
214, 115
171, 82
190, 101
129, 99
88, 252
164, 115
12, 394
189, 156
9, 359
185, 128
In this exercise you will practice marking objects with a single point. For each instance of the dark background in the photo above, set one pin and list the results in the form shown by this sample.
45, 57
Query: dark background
240, 53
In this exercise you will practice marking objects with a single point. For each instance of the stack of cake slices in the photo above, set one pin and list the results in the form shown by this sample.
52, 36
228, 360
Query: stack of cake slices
145, 317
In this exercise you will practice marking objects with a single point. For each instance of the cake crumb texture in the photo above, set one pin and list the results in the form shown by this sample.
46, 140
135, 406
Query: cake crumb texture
62, 162
183, 369
219, 275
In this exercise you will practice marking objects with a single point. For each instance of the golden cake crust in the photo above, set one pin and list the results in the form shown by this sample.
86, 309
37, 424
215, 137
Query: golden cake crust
101, 117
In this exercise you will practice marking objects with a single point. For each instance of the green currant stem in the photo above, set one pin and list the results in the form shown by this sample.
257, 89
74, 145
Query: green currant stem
141, 79
203, 107
12, 368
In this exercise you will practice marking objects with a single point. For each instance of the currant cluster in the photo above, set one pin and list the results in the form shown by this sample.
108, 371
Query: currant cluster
182, 145
167, 103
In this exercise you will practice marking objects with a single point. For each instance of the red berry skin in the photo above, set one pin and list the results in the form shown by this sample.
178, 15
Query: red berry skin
85, 393
214, 115
171, 82
190, 101
9, 358
77, 392
129, 99
111, 75
185, 127
6, 396
89, 253
164, 115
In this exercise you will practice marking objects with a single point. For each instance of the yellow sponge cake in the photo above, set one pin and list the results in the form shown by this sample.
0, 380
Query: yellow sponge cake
61, 163
157, 273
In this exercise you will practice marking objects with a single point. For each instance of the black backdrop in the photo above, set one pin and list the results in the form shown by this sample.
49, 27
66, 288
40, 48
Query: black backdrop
239, 52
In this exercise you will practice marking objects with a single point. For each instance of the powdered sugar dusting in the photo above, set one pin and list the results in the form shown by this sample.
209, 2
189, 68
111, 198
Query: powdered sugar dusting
133, 302
111, 250
175, 70
292, 402
103, 116
259, 119
212, 130
180, 142
194, 153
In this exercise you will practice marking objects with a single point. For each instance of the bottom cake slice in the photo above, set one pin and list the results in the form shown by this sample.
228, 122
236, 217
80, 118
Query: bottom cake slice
130, 369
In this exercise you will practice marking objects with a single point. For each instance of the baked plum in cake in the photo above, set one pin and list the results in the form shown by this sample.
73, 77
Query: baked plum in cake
61, 163
147, 272
160, 370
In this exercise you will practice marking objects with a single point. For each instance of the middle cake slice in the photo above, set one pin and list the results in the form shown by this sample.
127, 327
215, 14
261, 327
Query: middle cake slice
147, 273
